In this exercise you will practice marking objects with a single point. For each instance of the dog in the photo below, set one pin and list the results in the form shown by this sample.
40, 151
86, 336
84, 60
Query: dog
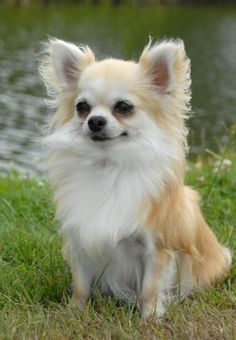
116, 158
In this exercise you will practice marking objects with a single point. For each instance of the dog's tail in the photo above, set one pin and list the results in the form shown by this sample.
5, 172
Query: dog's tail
213, 261
210, 260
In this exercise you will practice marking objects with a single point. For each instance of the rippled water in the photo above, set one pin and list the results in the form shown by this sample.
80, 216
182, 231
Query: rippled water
209, 34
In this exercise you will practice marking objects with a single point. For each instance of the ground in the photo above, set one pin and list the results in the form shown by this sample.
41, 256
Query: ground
35, 280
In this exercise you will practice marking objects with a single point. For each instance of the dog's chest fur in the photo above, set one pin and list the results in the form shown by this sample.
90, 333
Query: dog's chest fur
100, 208
101, 203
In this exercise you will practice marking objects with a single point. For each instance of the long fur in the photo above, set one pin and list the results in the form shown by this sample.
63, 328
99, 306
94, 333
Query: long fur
129, 224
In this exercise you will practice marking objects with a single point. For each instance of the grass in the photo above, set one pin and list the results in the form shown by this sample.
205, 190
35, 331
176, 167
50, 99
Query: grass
35, 280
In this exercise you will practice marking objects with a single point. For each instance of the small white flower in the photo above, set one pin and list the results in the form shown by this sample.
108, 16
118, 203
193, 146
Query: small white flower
226, 163
201, 179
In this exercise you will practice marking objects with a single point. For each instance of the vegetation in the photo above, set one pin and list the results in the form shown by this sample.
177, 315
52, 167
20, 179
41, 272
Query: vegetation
35, 280
116, 2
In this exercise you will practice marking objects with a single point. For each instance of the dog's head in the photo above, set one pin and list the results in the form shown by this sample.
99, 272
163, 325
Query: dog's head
137, 108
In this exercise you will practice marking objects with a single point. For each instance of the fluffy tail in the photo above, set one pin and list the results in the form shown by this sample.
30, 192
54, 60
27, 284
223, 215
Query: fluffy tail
210, 260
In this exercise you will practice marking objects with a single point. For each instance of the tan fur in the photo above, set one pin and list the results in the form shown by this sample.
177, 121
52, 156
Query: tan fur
66, 108
178, 222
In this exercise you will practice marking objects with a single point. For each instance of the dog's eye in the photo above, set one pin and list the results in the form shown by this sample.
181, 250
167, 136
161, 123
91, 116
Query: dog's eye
83, 108
123, 107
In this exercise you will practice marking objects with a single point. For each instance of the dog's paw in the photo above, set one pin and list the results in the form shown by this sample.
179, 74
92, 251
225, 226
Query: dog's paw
77, 303
157, 310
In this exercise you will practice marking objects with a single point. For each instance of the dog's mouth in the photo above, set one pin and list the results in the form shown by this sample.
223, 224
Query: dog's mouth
98, 137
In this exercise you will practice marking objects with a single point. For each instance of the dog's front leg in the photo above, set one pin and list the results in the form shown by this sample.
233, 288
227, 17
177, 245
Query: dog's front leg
82, 277
158, 273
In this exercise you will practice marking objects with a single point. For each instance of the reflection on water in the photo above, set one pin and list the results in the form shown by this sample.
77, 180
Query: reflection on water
209, 35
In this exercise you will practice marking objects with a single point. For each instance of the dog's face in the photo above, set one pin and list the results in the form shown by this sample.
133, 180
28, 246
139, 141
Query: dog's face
115, 105
107, 105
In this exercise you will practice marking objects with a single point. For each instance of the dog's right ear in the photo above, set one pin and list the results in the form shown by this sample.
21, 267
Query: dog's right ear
63, 63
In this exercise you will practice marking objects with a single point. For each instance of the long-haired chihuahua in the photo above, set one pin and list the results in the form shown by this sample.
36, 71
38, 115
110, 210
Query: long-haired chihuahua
116, 159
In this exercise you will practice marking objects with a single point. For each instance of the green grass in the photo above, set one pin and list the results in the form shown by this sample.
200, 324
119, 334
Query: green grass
35, 280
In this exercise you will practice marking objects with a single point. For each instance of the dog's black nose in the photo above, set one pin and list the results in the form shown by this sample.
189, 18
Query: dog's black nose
96, 123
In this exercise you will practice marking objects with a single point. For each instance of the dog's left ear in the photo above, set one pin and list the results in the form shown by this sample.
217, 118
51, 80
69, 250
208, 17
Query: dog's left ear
167, 66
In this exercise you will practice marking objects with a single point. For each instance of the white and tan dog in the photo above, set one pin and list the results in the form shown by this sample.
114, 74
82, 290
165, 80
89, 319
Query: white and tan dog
116, 159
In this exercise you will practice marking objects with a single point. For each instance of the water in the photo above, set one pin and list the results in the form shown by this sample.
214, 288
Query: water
210, 38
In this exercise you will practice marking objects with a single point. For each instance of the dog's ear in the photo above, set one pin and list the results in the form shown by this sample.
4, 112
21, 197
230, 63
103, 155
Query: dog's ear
62, 64
167, 66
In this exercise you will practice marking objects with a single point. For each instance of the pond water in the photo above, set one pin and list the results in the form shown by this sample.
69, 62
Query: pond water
210, 38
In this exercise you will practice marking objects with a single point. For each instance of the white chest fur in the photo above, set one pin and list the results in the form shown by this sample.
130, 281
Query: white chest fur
99, 203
